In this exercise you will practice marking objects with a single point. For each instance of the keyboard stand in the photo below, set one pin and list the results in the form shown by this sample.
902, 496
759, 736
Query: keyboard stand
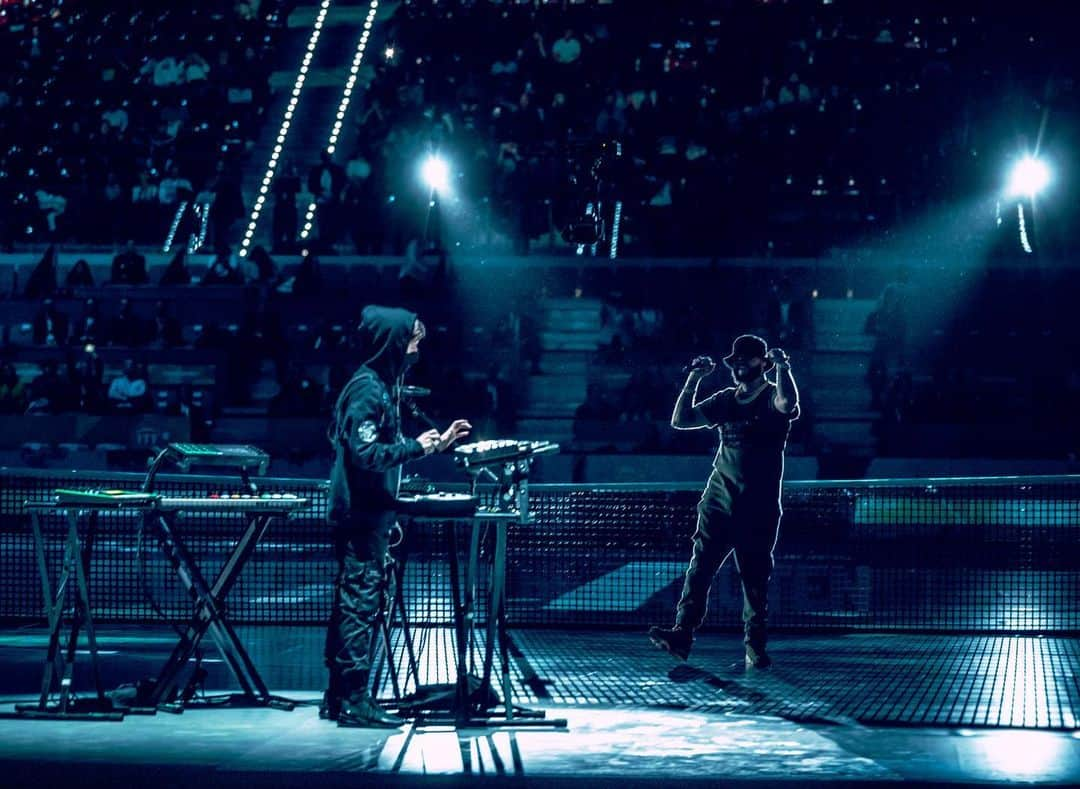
59, 664
209, 617
473, 704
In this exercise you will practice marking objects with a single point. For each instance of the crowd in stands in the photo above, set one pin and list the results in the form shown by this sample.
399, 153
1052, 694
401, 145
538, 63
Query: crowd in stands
113, 113
764, 128
974, 346
280, 341
746, 128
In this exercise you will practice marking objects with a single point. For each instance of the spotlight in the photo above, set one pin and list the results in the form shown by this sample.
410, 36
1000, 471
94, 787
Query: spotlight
1029, 177
389, 53
436, 173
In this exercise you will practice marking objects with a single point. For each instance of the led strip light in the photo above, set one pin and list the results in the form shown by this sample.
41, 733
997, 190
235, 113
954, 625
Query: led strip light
175, 224
195, 243
283, 131
1024, 243
615, 229
343, 107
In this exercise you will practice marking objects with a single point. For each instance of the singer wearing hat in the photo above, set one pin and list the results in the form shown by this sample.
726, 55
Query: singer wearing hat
739, 512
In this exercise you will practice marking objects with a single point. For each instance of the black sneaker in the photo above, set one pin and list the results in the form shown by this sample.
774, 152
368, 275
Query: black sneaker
675, 642
757, 657
363, 712
330, 706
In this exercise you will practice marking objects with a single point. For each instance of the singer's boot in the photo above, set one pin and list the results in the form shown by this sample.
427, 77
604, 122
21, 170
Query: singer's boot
675, 641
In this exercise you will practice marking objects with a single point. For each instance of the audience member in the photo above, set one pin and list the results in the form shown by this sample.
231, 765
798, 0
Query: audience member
126, 330
42, 280
89, 329
129, 267
12, 390
223, 270
165, 330
50, 325
80, 275
129, 391
49, 393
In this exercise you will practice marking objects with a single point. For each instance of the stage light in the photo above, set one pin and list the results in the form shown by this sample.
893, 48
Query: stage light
389, 53
436, 173
1029, 177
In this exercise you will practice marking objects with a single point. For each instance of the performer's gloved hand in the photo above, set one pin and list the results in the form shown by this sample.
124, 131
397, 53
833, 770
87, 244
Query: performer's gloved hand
459, 428
779, 359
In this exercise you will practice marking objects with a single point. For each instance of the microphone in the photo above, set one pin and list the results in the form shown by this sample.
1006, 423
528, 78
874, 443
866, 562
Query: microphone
699, 363
410, 392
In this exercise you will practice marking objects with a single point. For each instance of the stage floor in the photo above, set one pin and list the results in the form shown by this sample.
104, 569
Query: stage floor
868, 708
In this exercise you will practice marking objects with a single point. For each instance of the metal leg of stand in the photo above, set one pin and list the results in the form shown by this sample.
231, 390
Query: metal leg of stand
59, 665
166, 686
209, 616
413, 666
382, 628
54, 610
396, 608
229, 644
461, 695
494, 586
82, 572
391, 669
72, 558
470, 590
497, 618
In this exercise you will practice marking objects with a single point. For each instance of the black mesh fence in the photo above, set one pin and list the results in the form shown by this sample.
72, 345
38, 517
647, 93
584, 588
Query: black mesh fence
950, 555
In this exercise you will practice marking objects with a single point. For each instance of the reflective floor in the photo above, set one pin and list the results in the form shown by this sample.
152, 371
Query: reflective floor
862, 708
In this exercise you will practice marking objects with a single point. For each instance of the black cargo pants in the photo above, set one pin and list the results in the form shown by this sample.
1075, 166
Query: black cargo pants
732, 523
361, 550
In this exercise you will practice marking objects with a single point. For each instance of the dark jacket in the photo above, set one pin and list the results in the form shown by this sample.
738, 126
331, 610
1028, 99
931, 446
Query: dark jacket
366, 428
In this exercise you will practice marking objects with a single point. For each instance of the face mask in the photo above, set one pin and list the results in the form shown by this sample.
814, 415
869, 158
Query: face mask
411, 359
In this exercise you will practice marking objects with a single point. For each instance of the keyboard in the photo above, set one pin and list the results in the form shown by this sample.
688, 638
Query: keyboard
67, 497
490, 453
243, 456
445, 505
266, 502
225, 502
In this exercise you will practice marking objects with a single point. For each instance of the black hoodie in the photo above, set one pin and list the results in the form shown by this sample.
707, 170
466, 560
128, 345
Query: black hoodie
366, 428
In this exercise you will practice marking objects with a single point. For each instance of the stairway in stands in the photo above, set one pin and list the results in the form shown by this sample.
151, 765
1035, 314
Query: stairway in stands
837, 384
570, 336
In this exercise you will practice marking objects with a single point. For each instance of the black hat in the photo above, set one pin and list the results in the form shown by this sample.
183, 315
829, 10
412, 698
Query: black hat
747, 346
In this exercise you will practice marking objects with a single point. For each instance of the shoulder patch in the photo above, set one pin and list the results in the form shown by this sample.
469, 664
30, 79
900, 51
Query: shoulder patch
367, 432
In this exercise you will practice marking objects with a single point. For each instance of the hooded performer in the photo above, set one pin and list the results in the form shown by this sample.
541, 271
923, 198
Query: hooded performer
369, 450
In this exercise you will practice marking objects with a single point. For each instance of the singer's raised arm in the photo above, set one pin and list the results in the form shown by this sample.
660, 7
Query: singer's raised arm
687, 415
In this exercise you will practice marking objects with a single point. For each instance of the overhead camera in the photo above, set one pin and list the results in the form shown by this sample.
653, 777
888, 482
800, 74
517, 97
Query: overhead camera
587, 229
